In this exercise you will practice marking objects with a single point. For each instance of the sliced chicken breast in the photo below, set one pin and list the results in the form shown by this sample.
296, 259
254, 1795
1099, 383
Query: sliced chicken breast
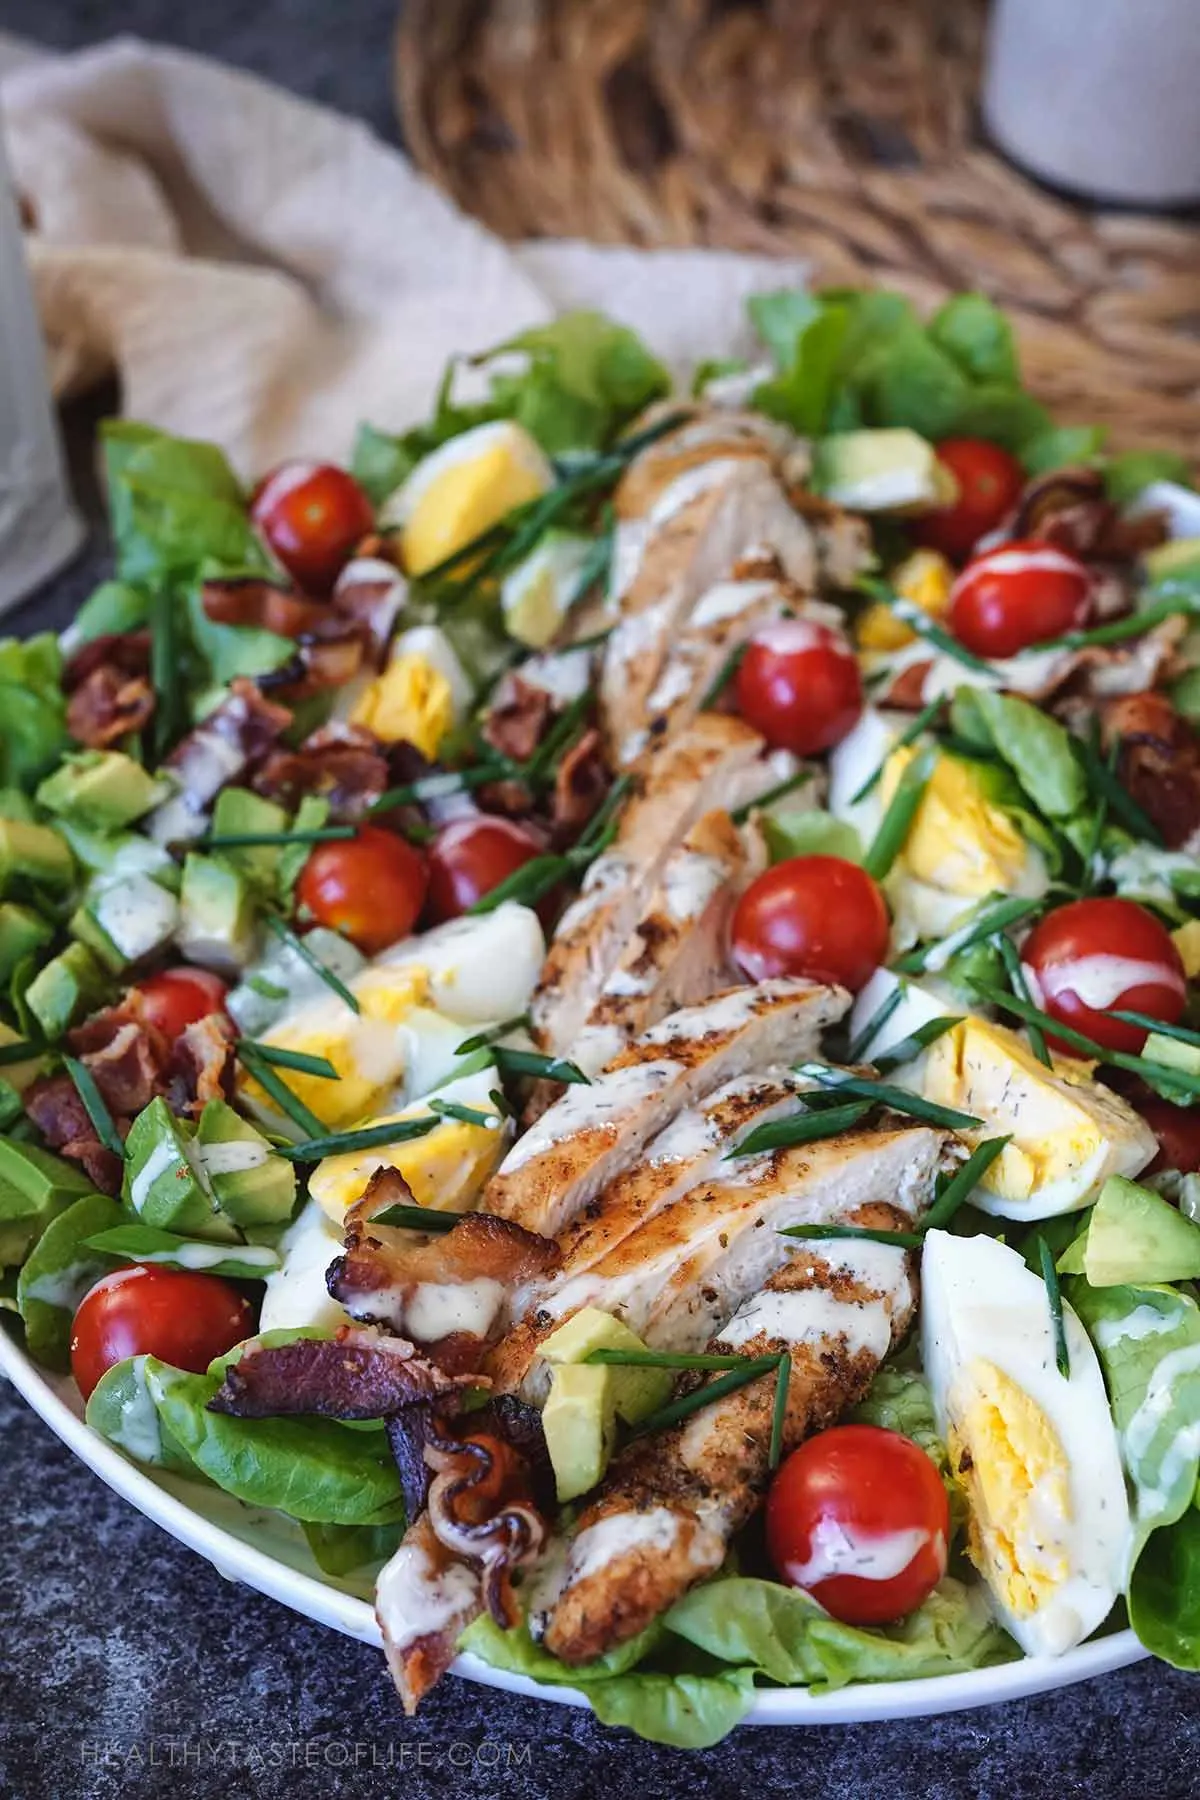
676, 954
671, 1504
709, 765
710, 433
595, 1132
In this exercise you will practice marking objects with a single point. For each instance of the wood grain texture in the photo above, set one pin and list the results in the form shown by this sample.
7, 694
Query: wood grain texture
841, 130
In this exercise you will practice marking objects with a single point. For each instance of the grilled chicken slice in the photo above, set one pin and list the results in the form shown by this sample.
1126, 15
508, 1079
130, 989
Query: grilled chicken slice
724, 433
671, 1504
697, 529
596, 1132
709, 765
676, 954
425, 1597
681, 1274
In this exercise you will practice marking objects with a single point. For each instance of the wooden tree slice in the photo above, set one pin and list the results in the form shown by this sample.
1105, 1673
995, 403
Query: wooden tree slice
841, 130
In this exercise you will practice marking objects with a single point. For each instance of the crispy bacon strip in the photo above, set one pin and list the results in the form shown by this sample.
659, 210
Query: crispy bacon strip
1070, 508
517, 720
108, 705
508, 1417
480, 1510
201, 1065
1158, 761
254, 601
345, 766
356, 1375
580, 783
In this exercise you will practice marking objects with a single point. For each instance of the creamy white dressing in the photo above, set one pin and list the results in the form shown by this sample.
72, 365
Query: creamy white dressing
636, 634
727, 599
164, 1156
603, 1104
62, 1287
622, 1534
673, 685
1142, 1322
628, 551
1099, 981
606, 877
723, 1014
434, 1309
416, 1599
808, 1315
211, 1256
1147, 1420
232, 1158
871, 1556
690, 485
137, 1431
623, 984
596, 1046
689, 881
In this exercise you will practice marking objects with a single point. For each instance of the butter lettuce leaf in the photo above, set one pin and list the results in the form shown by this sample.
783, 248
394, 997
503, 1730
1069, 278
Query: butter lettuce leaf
1126, 475
32, 707
585, 376
174, 503
1035, 747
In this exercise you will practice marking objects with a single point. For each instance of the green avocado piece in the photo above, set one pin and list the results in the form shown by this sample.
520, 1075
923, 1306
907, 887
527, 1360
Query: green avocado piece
22, 931
252, 1185
35, 853
216, 924
1136, 1236
102, 788
1180, 556
637, 1392
35, 1186
579, 1420
126, 921
889, 470
71, 984
14, 805
164, 1181
18, 1075
58, 1273
239, 811
113, 855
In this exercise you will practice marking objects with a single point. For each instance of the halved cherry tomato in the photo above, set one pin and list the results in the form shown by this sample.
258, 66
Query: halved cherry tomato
989, 484
370, 887
470, 857
799, 684
312, 515
176, 998
182, 1317
1092, 955
858, 1518
814, 916
1020, 594
1177, 1129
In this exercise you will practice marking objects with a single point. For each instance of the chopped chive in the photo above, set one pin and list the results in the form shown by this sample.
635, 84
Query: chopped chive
1102, 779
499, 1102
483, 1040
557, 738
286, 935
994, 919
723, 676
866, 1035
1180, 1033
527, 884
1086, 1046
920, 1039
1062, 1358
468, 1115
21, 1051
93, 1104
1020, 987
287, 1102
783, 1378
442, 786
288, 1059
592, 642
338, 1143
799, 1128
905, 1240
232, 840
415, 1218
957, 1190
800, 779
921, 624
899, 1099
542, 1068
889, 840
700, 1397
924, 718
1118, 630
164, 671
666, 1359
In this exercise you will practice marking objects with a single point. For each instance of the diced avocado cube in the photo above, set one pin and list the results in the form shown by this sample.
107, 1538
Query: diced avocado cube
216, 925
164, 1182
113, 855
102, 788
35, 1186
1171, 1052
33, 853
239, 812
18, 1075
889, 470
21, 932
58, 1273
252, 1185
637, 1392
126, 921
71, 984
14, 805
1136, 1236
1180, 556
579, 1420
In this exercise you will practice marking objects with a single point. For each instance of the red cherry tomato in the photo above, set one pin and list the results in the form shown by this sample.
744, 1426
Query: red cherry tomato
1018, 595
799, 684
176, 998
814, 916
184, 1318
312, 515
371, 887
1093, 955
1177, 1129
858, 1518
469, 857
989, 484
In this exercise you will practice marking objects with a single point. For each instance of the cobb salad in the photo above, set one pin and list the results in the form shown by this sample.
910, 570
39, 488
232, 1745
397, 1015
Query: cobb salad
601, 1010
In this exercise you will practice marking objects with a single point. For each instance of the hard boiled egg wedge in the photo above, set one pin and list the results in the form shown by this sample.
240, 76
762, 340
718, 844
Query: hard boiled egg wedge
462, 488
1036, 1453
479, 969
445, 1169
296, 1294
1069, 1133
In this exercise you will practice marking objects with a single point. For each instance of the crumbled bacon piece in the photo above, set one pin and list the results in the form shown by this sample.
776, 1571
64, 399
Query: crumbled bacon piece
347, 768
201, 1065
108, 705
1071, 509
235, 734
356, 1375
53, 1103
371, 591
517, 720
254, 601
1158, 762
128, 651
480, 1507
580, 783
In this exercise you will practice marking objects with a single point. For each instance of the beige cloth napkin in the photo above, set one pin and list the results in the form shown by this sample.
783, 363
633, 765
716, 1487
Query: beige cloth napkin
266, 273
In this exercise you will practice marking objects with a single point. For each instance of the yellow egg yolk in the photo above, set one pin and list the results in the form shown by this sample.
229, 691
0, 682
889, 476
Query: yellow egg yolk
925, 579
411, 702
467, 496
958, 841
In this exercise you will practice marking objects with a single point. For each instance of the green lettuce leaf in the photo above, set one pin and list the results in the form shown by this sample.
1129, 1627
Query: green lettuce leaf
1126, 475
174, 504
585, 377
32, 707
974, 332
810, 834
1036, 747
689, 1710
802, 394
58, 1272
342, 1550
112, 608
232, 650
1064, 446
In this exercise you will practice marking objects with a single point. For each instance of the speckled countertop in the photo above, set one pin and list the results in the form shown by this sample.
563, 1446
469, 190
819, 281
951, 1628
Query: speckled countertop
129, 1667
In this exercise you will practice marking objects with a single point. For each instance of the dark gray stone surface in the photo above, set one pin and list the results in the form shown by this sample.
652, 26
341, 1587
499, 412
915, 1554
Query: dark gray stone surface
129, 1667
